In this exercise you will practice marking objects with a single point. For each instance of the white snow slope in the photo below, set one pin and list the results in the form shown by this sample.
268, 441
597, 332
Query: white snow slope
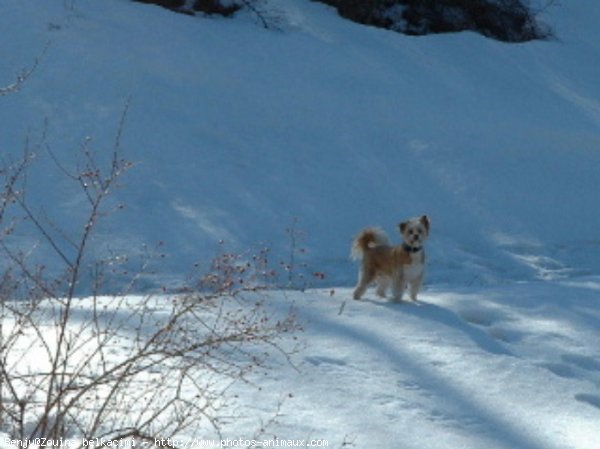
236, 131
502, 368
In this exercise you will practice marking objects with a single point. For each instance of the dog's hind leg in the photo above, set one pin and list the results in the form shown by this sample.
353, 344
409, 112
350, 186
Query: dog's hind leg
364, 279
383, 283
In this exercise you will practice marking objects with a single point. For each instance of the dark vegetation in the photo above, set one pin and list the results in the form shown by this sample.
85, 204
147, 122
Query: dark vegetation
220, 7
504, 20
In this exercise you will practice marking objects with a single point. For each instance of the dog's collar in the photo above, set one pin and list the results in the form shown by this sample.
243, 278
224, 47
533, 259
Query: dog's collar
411, 249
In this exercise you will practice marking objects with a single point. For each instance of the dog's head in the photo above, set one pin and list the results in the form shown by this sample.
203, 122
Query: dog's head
415, 231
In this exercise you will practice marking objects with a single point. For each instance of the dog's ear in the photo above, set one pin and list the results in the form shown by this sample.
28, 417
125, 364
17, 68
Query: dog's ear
425, 222
403, 226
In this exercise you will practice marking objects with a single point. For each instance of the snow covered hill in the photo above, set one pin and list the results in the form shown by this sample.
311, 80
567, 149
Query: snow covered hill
237, 131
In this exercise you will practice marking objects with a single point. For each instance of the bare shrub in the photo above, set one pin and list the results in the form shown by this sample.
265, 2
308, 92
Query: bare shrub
225, 8
119, 366
22, 75
297, 270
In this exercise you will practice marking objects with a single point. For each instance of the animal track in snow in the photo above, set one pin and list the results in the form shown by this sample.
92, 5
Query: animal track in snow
581, 361
560, 370
589, 399
481, 316
320, 360
505, 335
575, 366
478, 317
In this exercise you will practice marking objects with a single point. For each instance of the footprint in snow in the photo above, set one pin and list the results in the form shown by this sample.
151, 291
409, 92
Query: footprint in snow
571, 366
560, 370
480, 317
582, 361
505, 335
589, 399
320, 360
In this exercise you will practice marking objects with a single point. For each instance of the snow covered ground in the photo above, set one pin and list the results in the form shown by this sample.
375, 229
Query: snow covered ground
507, 367
511, 367
237, 131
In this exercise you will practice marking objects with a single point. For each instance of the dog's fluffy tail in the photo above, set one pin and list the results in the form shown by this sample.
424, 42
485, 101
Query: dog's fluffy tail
367, 238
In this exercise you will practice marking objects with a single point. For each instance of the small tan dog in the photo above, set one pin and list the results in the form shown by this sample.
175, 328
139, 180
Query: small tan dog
399, 266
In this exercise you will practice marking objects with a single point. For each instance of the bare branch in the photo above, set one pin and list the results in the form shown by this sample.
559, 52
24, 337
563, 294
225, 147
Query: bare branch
24, 75
120, 366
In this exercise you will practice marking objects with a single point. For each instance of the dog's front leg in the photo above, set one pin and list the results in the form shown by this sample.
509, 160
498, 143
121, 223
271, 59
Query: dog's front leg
398, 287
415, 286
